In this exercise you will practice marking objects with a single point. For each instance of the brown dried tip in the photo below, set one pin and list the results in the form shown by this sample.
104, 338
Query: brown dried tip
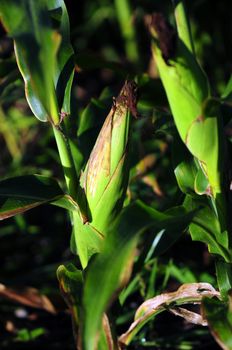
128, 97
166, 35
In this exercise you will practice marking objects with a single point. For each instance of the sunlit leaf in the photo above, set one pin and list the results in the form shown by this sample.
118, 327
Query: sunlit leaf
36, 46
201, 183
86, 240
44, 54
185, 167
206, 127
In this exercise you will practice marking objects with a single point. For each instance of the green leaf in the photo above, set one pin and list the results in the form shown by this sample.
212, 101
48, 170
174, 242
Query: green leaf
71, 283
25, 335
206, 128
196, 115
66, 202
185, 166
219, 317
22, 193
117, 253
86, 240
161, 240
224, 277
188, 170
183, 97
71, 286
227, 94
35, 46
44, 55
205, 227
65, 56
105, 178
201, 183
173, 231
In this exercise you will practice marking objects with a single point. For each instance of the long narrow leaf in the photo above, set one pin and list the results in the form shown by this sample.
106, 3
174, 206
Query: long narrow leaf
111, 269
22, 193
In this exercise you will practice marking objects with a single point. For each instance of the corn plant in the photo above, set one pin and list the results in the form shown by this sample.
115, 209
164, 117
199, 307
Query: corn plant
107, 225
198, 118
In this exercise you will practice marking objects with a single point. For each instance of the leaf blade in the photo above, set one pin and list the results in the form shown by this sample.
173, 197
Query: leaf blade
22, 193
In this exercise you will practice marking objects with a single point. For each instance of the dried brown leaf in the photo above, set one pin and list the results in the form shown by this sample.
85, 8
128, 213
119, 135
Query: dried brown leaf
189, 316
189, 293
27, 296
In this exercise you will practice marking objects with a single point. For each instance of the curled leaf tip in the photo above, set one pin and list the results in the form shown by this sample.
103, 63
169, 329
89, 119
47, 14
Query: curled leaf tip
166, 35
128, 97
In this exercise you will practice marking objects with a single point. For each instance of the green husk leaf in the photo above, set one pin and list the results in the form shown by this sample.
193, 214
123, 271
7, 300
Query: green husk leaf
185, 84
197, 117
185, 166
105, 179
206, 128
86, 240
201, 183
106, 173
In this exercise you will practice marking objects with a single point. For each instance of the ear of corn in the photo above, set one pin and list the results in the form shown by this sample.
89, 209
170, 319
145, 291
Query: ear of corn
105, 178
196, 115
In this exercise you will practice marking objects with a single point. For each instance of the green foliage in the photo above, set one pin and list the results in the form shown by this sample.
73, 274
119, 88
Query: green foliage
24, 335
48, 69
16, 198
219, 317
129, 207
205, 227
201, 130
118, 251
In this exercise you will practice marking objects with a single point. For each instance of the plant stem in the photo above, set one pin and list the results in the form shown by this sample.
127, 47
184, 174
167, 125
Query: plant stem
66, 161
124, 16
183, 25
